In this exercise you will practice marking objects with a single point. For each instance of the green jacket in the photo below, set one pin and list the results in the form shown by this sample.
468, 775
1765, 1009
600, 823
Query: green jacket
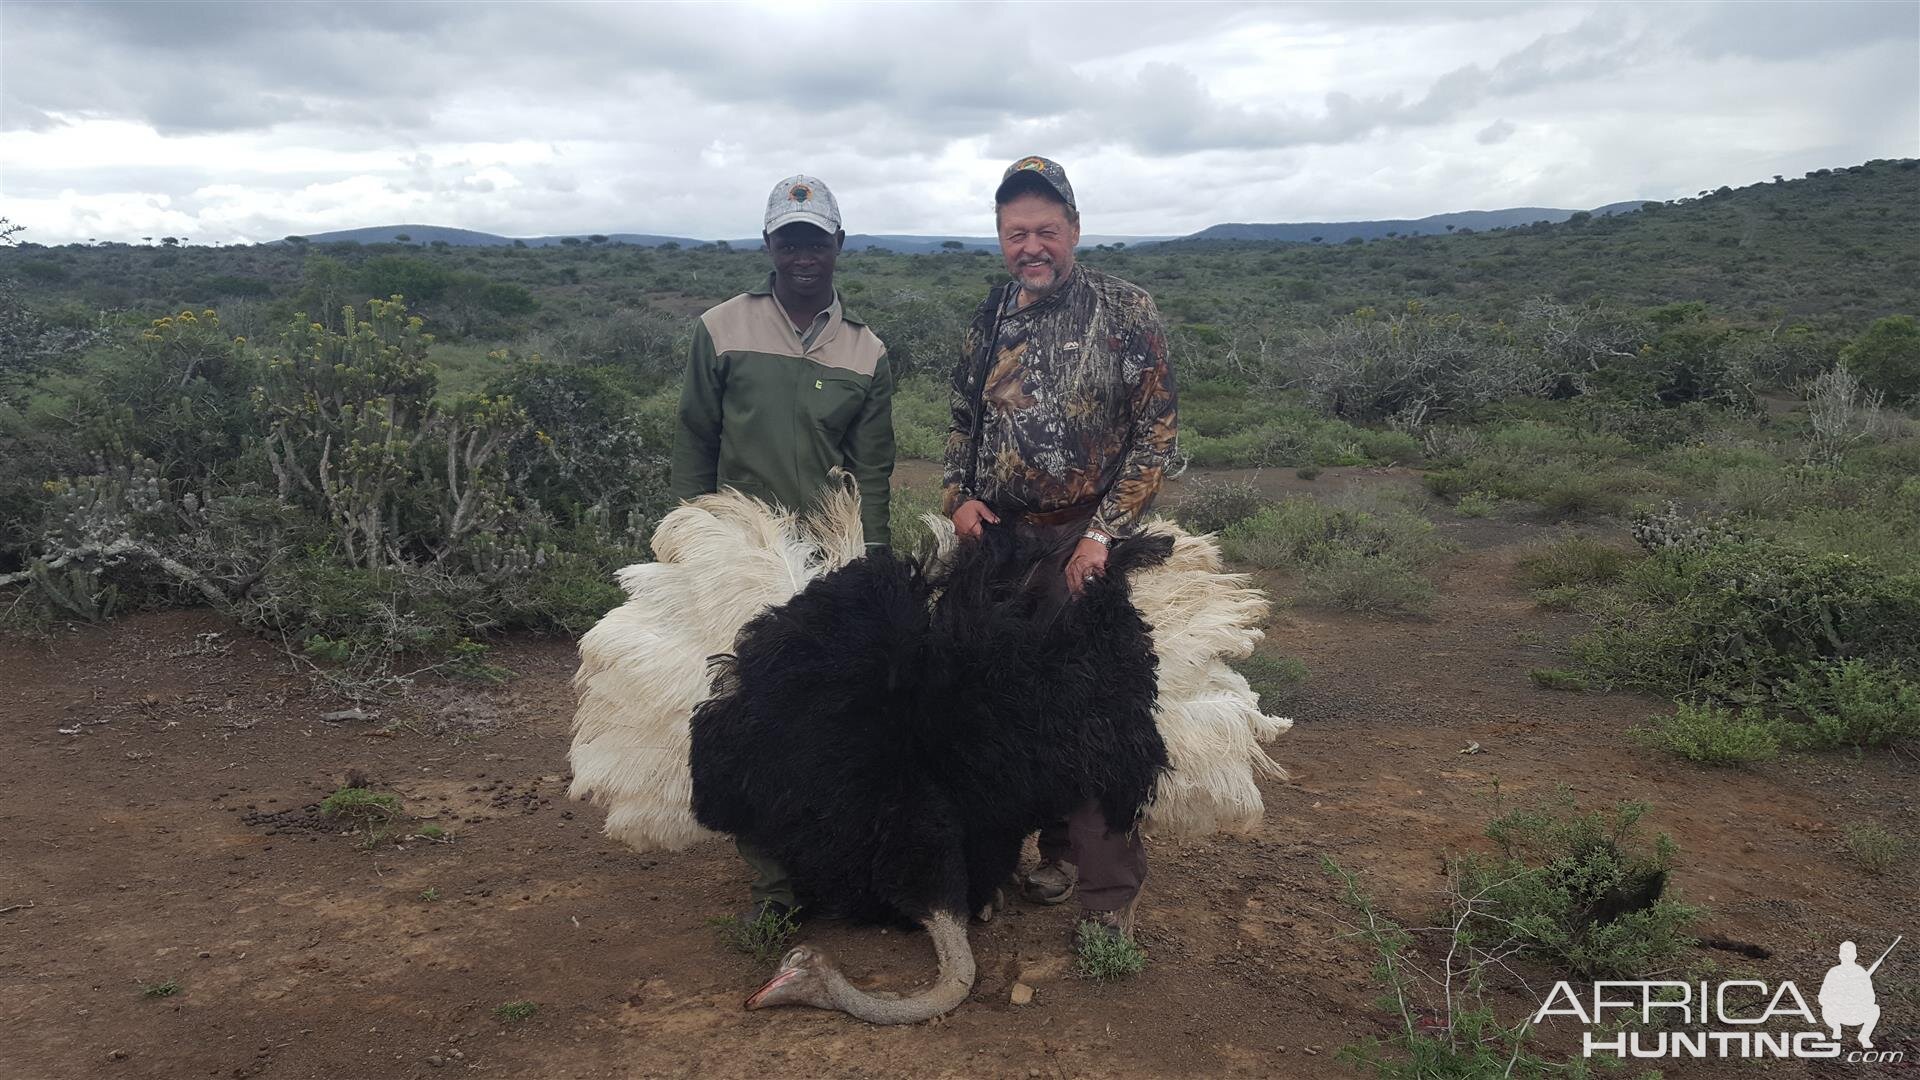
765, 411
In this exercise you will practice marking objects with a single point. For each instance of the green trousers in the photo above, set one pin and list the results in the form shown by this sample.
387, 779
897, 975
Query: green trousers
770, 881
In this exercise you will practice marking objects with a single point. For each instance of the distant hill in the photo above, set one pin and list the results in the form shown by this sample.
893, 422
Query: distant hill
1836, 249
428, 234
907, 245
1337, 232
1328, 232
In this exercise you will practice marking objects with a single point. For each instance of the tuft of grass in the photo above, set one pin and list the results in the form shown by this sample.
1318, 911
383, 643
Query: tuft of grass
430, 893
1103, 956
1476, 504
1575, 560
368, 811
358, 804
1272, 677
1560, 597
515, 1011
430, 831
764, 938
160, 989
467, 659
1874, 848
1559, 679
1714, 736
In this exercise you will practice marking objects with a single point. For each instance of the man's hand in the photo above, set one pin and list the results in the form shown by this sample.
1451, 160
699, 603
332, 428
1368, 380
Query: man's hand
1088, 562
967, 519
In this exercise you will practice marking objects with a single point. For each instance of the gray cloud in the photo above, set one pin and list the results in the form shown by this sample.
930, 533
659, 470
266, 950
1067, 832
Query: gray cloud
1772, 31
673, 118
1495, 133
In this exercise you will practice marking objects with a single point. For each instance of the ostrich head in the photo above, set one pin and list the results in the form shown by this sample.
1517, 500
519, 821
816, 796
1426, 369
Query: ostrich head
802, 980
807, 977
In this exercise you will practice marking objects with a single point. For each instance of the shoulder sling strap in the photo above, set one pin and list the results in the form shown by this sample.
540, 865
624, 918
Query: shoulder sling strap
981, 368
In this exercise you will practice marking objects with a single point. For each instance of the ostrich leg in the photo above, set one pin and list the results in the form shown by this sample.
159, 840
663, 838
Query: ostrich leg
808, 977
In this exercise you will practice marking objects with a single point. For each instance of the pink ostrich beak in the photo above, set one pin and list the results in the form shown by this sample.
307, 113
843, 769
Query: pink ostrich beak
759, 998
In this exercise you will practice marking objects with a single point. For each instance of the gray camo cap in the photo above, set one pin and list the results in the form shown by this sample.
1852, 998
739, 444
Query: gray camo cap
802, 198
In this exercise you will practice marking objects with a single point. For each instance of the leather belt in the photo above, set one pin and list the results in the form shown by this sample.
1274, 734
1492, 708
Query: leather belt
1076, 512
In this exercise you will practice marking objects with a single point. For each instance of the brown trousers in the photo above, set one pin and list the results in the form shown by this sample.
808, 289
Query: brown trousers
1112, 865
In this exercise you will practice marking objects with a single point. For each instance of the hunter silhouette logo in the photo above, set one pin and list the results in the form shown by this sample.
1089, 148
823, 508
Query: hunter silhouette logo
1846, 994
1738, 1018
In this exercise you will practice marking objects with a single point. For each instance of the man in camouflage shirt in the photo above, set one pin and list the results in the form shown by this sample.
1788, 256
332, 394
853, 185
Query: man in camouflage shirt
1063, 425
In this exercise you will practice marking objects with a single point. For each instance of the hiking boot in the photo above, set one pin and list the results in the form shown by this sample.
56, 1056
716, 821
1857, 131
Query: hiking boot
1049, 883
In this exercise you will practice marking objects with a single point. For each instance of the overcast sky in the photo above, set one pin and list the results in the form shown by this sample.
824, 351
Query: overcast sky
227, 122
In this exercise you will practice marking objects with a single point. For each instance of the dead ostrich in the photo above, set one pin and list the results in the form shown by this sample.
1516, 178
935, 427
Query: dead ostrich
721, 559
893, 737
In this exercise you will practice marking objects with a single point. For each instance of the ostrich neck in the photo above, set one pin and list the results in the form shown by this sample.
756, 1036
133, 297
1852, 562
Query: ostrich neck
948, 991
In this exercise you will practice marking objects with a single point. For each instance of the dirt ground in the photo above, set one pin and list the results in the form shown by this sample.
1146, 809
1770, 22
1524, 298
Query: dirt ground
159, 824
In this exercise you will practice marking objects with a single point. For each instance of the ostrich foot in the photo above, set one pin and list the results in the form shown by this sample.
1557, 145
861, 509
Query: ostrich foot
995, 904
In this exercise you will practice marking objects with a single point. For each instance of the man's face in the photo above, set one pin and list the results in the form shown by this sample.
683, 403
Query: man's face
803, 258
1037, 241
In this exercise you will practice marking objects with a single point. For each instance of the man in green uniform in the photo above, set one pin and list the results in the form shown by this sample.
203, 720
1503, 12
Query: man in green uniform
783, 385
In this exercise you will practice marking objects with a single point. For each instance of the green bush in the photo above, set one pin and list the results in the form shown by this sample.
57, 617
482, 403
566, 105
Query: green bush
356, 617
1738, 619
584, 443
1874, 848
1355, 581
1210, 506
1715, 736
1887, 356
568, 593
1692, 357
1361, 552
384, 276
1442, 1026
1584, 891
1854, 704
1301, 530
1476, 504
1575, 560
922, 417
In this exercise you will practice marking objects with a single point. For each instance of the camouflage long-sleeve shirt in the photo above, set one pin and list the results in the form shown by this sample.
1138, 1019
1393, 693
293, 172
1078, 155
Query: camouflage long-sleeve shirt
1079, 404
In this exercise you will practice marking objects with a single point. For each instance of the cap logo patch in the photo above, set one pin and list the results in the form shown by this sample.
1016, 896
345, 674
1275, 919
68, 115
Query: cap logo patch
1036, 164
799, 193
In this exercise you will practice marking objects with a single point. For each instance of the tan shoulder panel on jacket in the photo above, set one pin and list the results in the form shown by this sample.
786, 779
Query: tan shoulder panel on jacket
750, 323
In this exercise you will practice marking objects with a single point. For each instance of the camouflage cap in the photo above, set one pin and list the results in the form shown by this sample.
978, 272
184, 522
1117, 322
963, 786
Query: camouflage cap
1046, 169
802, 198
